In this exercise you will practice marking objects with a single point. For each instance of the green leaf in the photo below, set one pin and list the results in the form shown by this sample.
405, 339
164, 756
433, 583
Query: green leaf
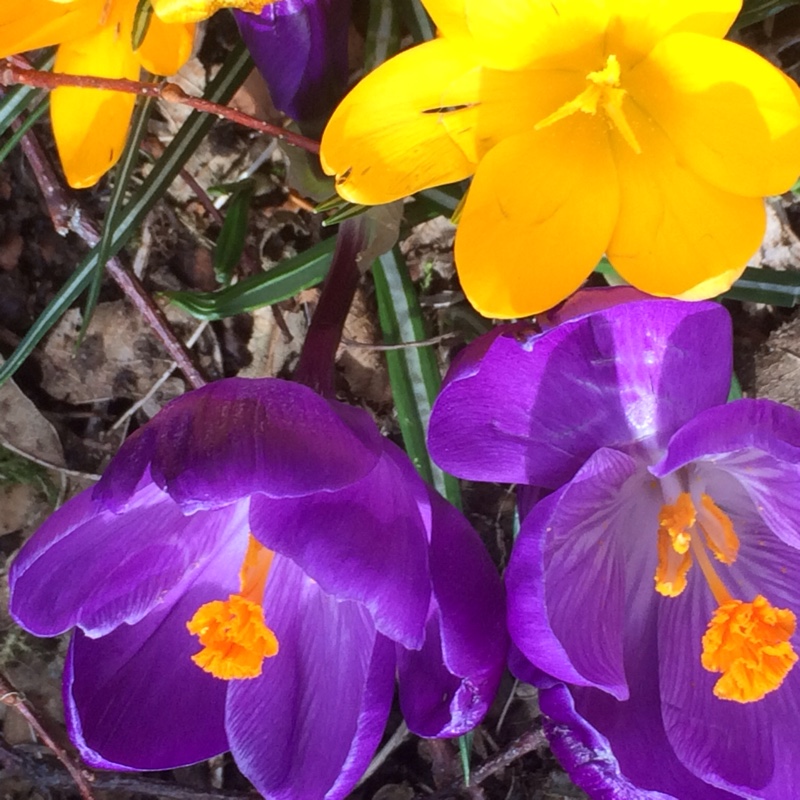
757, 10
280, 283
383, 34
766, 286
124, 174
231, 239
141, 22
236, 68
417, 20
29, 122
735, 392
465, 750
413, 371
18, 98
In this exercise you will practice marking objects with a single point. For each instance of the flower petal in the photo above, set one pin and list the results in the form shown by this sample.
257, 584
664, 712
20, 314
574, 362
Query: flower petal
530, 191
517, 34
134, 699
366, 542
300, 48
694, 718
447, 686
292, 729
677, 235
585, 753
569, 563
55, 23
385, 140
90, 126
166, 48
237, 437
640, 24
757, 442
118, 566
534, 409
732, 117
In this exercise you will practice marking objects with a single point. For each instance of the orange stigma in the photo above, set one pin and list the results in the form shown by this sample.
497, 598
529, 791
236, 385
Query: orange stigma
675, 523
235, 638
749, 644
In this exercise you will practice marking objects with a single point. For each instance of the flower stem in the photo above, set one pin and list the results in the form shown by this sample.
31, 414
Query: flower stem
318, 356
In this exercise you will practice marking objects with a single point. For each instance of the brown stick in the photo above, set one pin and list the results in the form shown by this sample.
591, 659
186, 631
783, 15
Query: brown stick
67, 216
10, 697
11, 73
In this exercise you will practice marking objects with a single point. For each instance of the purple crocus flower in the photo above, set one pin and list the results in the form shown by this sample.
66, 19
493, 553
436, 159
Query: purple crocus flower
300, 48
654, 588
255, 568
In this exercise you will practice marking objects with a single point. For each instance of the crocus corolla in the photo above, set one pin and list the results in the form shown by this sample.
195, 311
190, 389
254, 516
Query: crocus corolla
300, 48
95, 37
653, 590
252, 572
625, 127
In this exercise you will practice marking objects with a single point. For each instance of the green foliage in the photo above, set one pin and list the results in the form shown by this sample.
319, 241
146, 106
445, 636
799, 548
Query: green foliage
15, 470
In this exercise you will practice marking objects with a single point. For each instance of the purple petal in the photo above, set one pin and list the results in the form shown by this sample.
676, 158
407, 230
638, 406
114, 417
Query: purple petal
633, 728
134, 699
710, 735
237, 437
536, 409
447, 686
758, 443
366, 542
585, 753
300, 48
568, 585
320, 704
89, 567
589, 301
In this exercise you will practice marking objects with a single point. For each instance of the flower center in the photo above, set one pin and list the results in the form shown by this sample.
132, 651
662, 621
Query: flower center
233, 633
602, 92
747, 642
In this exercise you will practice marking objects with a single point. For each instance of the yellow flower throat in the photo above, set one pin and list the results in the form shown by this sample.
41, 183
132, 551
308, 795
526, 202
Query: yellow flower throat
747, 642
233, 633
603, 93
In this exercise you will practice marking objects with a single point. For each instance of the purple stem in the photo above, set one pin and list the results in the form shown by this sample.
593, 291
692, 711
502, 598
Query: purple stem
318, 356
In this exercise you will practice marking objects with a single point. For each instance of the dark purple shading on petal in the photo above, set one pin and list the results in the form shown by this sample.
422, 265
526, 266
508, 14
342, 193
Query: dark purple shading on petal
712, 736
536, 410
566, 580
366, 542
587, 755
292, 729
757, 442
134, 699
447, 686
237, 437
90, 568
300, 48
589, 301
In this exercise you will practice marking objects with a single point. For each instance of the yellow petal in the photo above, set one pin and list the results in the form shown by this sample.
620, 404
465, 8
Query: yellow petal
639, 24
183, 11
733, 117
90, 125
677, 235
166, 48
449, 16
386, 139
29, 24
539, 215
516, 34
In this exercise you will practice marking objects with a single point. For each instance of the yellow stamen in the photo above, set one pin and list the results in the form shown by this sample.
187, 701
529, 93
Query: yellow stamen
234, 635
749, 644
675, 524
604, 92
718, 530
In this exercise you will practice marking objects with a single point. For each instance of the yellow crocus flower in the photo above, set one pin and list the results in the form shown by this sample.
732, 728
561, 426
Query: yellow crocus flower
624, 127
94, 37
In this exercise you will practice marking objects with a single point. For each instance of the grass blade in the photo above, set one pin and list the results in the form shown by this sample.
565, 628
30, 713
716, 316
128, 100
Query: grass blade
413, 371
280, 283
